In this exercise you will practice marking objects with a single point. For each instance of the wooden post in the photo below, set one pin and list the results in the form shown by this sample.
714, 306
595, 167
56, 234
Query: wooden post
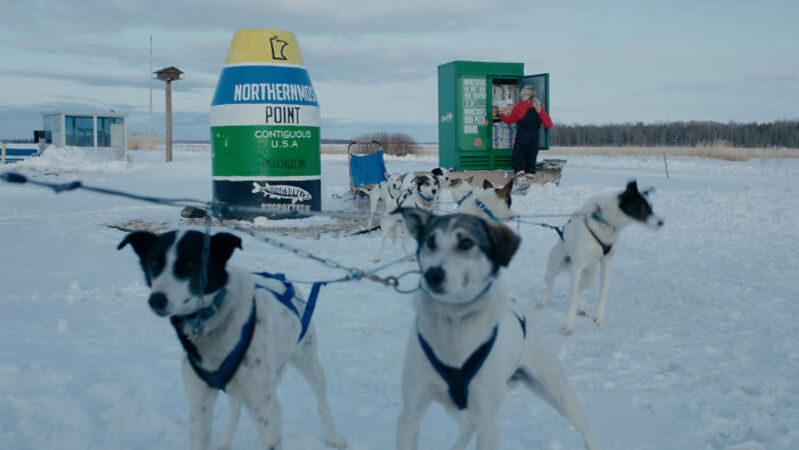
168, 75
169, 121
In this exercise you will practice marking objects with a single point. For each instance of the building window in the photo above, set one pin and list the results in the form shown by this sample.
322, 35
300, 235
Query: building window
79, 131
104, 130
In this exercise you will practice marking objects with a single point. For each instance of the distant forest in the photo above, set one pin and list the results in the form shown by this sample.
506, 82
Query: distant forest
751, 135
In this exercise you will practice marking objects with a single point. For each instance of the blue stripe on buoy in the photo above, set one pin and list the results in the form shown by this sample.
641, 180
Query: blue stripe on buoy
245, 84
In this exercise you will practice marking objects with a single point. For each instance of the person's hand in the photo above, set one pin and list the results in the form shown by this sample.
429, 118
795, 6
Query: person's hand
537, 105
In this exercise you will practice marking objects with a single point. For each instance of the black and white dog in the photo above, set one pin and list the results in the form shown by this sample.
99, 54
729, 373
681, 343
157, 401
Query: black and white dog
389, 191
470, 344
589, 238
239, 331
490, 203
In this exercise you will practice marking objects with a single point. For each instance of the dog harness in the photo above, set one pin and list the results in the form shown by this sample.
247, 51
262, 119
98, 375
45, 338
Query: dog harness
606, 248
426, 200
485, 209
463, 199
219, 378
458, 379
288, 294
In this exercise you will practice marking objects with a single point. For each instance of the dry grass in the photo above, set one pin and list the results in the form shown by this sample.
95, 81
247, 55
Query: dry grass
715, 151
141, 141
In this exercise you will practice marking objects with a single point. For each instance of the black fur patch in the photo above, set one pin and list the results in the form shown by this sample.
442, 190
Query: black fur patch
634, 204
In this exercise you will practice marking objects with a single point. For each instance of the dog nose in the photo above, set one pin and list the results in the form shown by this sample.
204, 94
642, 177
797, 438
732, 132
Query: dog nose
434, 276
158, 302
434, 191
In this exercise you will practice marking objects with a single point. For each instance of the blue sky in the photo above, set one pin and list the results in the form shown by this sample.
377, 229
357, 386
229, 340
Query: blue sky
373, 63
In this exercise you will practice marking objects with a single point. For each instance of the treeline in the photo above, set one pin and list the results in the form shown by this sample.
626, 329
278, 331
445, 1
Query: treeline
751, 135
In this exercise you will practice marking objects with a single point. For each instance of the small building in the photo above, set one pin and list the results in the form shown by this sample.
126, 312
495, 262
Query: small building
103, 131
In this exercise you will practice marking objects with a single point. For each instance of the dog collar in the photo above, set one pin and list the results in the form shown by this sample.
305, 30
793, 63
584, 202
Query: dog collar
485, 209
219, 378
458, 378
197, 319
463, 199
426, 200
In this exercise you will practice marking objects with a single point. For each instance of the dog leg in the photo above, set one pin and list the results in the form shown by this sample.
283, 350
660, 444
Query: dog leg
201, 401
604, 271
465, 426
374, 199
233, 422
586, 281
574, 296
267, 416
306, 361
543, 375
557, 263
488, 432
382, 244
415, 403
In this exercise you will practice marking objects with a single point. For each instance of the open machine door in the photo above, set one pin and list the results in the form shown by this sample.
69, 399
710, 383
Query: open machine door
541, 84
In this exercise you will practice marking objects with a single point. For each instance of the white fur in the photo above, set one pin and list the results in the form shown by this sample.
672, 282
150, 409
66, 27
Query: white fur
392, 188
579, 253
455, 319
274, 345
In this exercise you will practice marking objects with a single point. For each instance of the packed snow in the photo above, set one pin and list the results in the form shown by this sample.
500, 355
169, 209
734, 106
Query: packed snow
699, 348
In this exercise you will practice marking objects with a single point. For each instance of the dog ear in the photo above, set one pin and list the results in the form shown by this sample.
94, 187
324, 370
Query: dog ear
470, 179
632, 187
142, 242
504, 192
416, 220
503, 241
438, 172
222, 246
487, 184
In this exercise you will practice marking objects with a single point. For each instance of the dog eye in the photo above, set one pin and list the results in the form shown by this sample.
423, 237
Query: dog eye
465, 244
431, 242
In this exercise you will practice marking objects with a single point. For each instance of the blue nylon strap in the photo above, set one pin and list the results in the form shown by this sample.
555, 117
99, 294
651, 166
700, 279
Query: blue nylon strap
219, 378
463, 199
458, 379
485, 209
427, 200
288, 295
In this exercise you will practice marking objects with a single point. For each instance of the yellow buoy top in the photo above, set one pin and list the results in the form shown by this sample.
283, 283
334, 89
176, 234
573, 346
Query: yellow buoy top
264, 46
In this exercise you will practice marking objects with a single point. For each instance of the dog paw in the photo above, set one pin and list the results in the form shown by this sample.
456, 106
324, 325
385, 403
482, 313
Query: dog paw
567, 330
581, 312
377, 260
539, 305
598, 320
335, 440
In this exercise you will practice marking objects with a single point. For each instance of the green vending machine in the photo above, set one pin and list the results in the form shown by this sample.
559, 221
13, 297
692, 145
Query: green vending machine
469, 137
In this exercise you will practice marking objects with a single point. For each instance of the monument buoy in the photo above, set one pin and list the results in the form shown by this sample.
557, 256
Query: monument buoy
265, 120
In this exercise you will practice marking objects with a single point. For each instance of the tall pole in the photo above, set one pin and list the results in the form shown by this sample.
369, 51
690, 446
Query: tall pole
150, 128
168, 120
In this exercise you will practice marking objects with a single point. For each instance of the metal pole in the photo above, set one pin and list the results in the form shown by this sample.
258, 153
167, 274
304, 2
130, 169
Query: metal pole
150, 129
168, 121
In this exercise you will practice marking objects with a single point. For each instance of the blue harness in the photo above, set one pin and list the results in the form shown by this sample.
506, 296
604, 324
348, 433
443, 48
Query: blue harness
219, 378
458, 379
485, 209
289, 293
426, 200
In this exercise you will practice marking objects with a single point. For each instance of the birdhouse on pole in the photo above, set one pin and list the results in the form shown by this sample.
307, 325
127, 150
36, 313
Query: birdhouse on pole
168, 75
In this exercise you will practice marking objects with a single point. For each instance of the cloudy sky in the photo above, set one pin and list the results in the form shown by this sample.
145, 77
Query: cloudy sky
373, 62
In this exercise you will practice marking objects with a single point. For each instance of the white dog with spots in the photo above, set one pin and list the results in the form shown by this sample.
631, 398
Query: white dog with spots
238, 330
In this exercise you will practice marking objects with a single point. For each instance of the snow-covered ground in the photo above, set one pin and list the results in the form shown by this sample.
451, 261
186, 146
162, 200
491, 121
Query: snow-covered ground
699, 349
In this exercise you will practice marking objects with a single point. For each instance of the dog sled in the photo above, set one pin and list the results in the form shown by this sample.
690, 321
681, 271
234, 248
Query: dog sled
367, 166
